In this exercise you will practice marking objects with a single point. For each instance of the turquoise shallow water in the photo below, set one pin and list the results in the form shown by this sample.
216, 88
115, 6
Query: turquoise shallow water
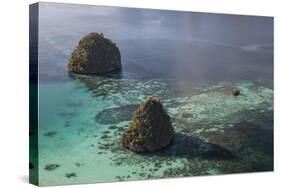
191, 61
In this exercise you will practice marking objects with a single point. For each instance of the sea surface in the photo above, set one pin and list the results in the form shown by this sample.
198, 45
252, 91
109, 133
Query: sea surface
191, 61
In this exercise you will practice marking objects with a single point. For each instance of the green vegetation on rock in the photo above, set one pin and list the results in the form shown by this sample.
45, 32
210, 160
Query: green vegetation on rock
95, 54
151, 128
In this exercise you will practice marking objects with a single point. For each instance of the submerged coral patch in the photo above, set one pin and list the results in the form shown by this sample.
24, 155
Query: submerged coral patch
116, 115
217, 109
70, 175
50, 134
51, 167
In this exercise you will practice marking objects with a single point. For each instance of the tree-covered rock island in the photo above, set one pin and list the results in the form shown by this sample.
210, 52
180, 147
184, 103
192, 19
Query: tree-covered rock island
150, 129
94, 54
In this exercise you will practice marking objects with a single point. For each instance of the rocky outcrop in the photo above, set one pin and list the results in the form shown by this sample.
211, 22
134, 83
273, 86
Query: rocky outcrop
151, 128
95, 54
235, 92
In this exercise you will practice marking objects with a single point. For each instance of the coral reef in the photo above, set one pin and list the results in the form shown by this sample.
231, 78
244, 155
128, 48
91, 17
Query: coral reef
151, 128
95, 54
50, 134
116, 115
51, 167
71, 175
